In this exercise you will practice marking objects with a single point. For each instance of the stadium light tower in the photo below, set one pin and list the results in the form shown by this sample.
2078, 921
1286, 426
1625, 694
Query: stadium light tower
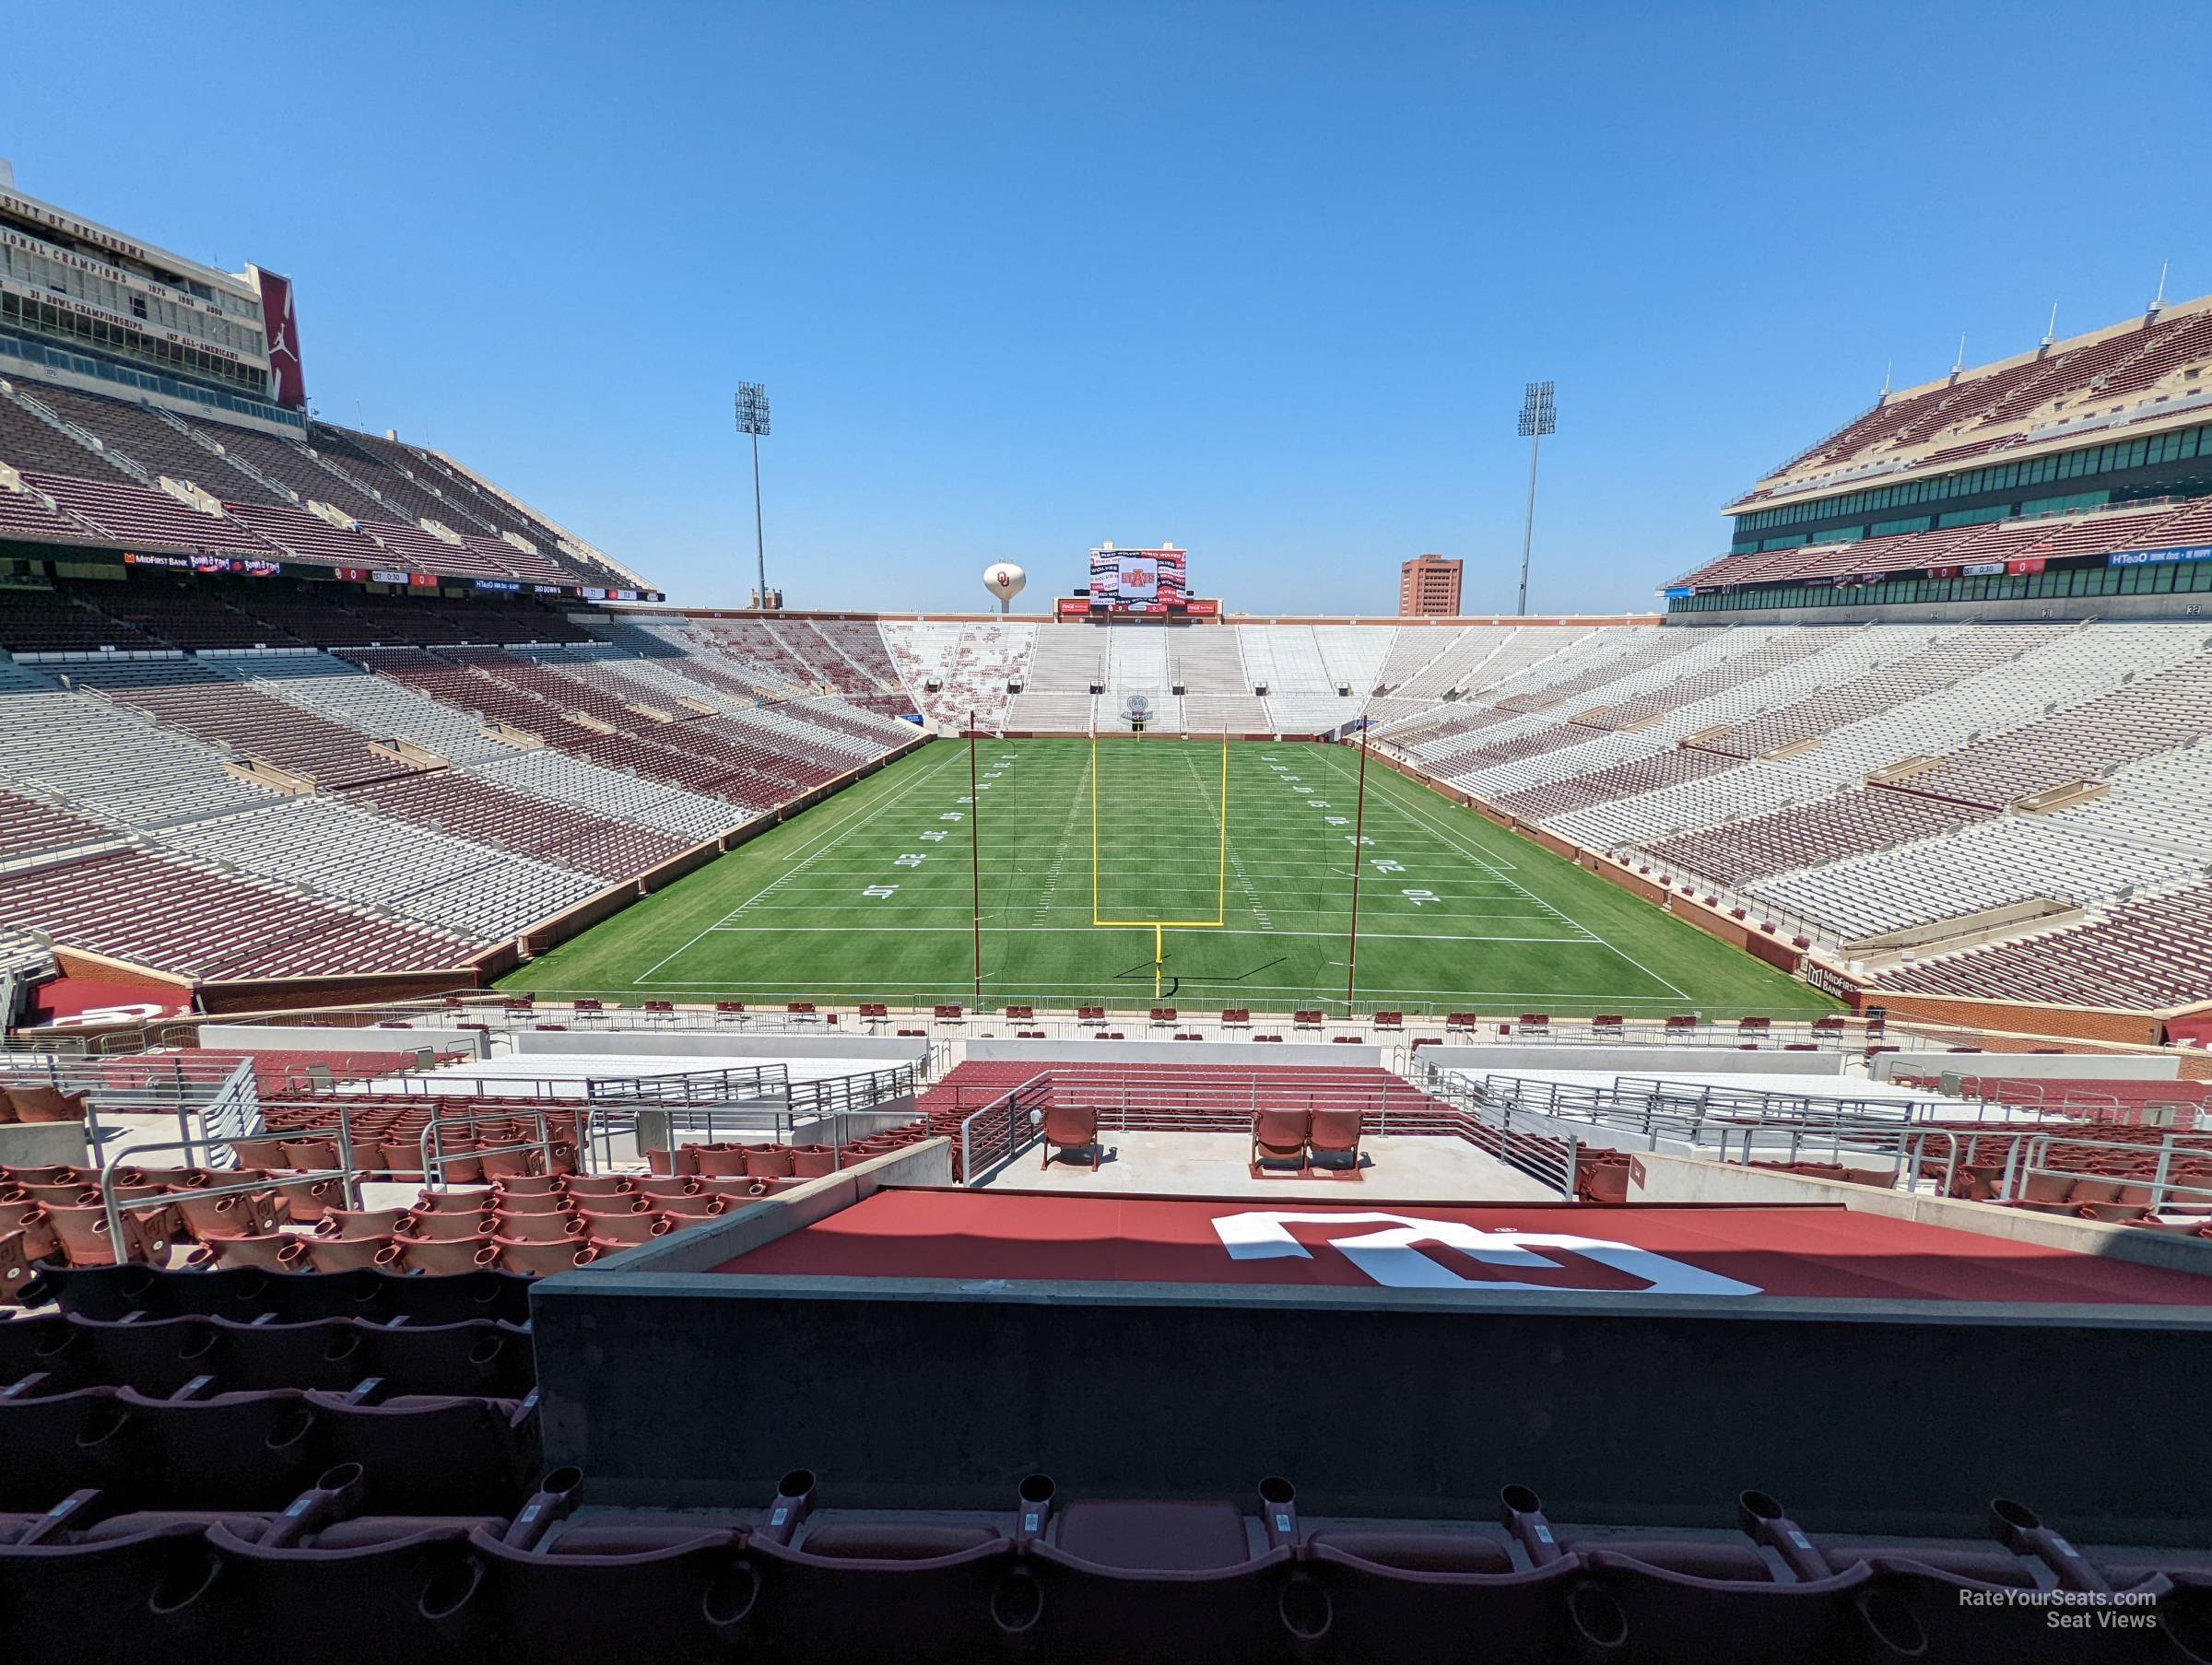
752, 419
1538, 418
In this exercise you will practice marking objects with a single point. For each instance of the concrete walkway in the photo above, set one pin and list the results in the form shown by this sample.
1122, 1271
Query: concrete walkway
1411, 1168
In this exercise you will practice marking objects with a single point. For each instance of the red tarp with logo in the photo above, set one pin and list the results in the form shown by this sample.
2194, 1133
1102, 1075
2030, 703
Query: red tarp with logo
76, 1000
1826, 1253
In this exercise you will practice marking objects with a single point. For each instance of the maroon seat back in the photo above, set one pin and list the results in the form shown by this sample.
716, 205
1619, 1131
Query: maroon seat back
83, 1232
1070, 1124
1281, 1134
352, 1225
48, 1103
1334, 1133
240, 1214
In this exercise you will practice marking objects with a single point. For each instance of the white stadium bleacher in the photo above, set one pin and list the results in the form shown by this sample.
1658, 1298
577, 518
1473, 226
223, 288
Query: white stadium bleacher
1136, 663
1049, 714
1355, 654
1205, 662
1068, 660
344, 693
952, 669
1955, 874
1850, 782
561, 779
285, 809
338, 849
1284, 659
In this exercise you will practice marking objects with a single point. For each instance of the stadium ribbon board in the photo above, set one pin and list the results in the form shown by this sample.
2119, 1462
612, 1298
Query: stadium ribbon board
869, 896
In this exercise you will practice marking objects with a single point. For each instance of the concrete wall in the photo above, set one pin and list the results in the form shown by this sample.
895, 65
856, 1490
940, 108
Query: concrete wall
1244, 1054
42, 1143
1660, 1178
702, 1390
1506, 1059
283, 1038
867, 1052
2047, 1066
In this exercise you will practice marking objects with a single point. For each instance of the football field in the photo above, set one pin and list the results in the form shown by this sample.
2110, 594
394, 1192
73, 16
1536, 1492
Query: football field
1217, 875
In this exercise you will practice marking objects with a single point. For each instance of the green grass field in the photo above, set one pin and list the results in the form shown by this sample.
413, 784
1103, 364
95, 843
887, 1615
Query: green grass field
869, 897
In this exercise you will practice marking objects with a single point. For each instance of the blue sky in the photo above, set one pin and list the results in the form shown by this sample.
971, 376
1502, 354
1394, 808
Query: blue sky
1262, 279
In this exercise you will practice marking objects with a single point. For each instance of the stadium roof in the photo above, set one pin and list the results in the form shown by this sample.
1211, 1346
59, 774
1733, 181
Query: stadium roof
2139, 375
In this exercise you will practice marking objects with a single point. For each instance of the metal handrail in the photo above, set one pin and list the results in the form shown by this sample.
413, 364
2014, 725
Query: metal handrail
2031, 1155
433, 1179
1904, 1144
114, 1206
1549, 1158
692, 1086
848, 1095
1014, 1108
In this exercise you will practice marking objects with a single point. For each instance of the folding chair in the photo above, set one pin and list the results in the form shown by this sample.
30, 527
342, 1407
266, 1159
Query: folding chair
1072, 1127
1279, 1136
1335, 1135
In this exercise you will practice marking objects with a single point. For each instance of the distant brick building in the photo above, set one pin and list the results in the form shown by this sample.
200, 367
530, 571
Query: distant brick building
1428, 587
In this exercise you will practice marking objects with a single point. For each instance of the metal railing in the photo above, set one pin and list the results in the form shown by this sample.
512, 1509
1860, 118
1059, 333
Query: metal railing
1125, 1100
1719, 1098
1163, 1097
836, 1095
2054, 1155
115, 1207
739, 1083
234, 1112
1002, 1129
150, 1083
2177, 1104
180, 1084
1793, 1131
1545, 1157
435, 1157
761, 1103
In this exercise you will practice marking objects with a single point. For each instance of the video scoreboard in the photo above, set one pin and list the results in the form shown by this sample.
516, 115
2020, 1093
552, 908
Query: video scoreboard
1136, 582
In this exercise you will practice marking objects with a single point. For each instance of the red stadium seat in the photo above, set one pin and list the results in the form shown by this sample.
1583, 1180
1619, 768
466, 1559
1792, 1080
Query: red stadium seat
1072, 1127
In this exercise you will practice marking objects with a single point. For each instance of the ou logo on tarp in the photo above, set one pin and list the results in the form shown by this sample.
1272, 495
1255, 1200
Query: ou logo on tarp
1392, 1256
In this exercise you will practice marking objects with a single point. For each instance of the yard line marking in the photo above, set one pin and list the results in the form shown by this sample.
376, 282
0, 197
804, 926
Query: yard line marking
1380, 936
1281, 858
1443, 833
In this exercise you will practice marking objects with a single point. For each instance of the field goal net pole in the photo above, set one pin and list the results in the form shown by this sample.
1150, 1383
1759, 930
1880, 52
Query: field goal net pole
1159, 927
1351, 954
975, 859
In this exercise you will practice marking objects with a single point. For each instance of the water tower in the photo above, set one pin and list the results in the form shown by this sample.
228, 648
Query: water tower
1004, 581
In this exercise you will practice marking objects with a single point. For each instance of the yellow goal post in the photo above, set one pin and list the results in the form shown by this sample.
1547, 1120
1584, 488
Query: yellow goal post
1159, 927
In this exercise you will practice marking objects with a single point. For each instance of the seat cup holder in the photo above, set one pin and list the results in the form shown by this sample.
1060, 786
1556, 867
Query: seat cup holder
1016, 1602
1032, 1507
1597, 1616
794, 1497
1304, 1607
1521, 1512
1278, 1512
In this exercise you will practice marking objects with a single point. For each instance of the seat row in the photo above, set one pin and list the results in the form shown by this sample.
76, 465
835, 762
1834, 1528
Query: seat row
34, 1104
258, 1450
50, 1353
529, 1225
546, 1576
